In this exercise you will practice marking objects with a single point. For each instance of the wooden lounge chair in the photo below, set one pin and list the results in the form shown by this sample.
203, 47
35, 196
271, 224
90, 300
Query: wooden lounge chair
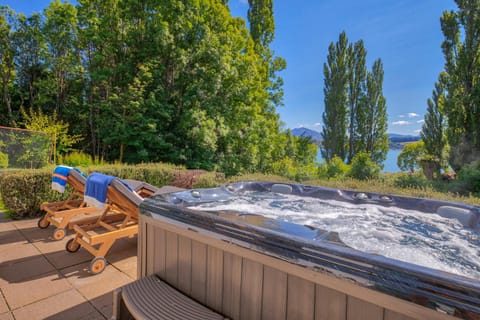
119, 219
60, 213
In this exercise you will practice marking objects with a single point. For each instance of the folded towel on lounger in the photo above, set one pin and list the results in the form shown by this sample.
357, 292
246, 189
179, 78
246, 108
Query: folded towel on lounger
59, 178
96, 189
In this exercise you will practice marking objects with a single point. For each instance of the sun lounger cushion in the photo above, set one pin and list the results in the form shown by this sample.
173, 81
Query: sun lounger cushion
127, 192
137, 185
60, 176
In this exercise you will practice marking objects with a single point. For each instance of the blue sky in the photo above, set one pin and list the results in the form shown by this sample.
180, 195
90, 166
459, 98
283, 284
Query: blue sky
405, 34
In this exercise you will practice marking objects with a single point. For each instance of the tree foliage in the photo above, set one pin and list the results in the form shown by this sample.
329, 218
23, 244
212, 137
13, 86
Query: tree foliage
335, 121
372, 118
433, 129
175, 81
461, 48
355, 117
409, 158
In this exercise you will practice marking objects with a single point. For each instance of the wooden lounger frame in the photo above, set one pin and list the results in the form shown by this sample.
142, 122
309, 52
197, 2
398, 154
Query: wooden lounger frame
61, 213
118, 220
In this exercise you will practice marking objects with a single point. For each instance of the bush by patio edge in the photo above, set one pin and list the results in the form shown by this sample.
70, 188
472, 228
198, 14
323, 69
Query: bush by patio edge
23, 192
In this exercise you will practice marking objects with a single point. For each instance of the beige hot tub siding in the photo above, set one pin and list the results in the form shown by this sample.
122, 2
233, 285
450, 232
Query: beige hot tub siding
245, 284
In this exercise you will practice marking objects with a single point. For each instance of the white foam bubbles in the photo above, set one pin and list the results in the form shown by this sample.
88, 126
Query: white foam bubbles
407, 235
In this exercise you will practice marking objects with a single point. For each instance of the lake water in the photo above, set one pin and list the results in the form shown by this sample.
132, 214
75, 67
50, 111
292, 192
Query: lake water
390, 164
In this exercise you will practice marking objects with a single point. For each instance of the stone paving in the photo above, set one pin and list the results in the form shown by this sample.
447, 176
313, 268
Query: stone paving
39, 279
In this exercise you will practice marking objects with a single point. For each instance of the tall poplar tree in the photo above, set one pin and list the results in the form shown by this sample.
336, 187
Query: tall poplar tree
433, 129
372, 119
357, 56
355, 116
335, 119
461, 49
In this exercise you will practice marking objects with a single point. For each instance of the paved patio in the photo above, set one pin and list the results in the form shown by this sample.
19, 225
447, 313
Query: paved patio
39, 279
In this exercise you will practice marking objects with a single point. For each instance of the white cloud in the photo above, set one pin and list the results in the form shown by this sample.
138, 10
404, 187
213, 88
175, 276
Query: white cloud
243, 1
421, 121
418, 131
400, 123
413, 115
318, 124
401, 116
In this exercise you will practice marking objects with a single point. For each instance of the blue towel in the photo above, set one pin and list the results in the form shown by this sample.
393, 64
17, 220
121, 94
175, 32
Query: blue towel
96, 189
59, 178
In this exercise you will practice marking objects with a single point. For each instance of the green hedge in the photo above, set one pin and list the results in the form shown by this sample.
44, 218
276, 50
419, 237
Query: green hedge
23, 191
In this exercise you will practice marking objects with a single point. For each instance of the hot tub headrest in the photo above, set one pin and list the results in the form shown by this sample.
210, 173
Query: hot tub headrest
465, 216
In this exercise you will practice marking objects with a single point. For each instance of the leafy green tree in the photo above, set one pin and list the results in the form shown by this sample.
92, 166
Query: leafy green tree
409, 158
7, 66
357, 71
355, 118
433, 129
30, 54
461, 49
335, 120
363, 168
372, 117
56, 130
262, 30
60, 32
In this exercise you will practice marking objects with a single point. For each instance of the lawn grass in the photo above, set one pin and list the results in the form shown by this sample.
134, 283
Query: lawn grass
385, 184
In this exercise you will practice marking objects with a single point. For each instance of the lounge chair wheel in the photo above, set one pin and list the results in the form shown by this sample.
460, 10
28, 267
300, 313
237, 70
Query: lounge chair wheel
72, 246
97, 265
43, 223
59, 234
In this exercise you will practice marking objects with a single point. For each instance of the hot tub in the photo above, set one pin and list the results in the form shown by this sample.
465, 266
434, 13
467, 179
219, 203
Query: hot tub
251, 265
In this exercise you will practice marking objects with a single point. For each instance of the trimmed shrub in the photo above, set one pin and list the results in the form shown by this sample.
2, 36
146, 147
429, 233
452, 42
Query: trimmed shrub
77, 159
415, 180
3, 160
24, 191
363, 168
468, 181
209, 180
336, 168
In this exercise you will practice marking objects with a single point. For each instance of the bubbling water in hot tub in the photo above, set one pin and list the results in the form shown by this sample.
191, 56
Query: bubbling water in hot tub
408, 235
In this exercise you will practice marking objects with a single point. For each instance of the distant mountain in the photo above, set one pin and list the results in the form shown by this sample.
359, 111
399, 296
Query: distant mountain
305, 132
393, 137
396, 141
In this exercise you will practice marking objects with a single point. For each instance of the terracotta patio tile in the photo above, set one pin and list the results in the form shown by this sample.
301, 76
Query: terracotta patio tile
93, 286
3, 305
31, 290
50, 245
66, 305
18, 252
17, 271
127, 266
104, 303
6, 316
26, 223
34, 234
64, 259
11, 238
6, 225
